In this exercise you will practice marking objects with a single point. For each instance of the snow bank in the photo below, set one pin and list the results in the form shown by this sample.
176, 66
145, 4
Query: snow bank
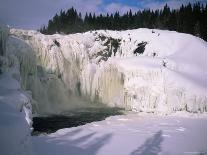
15, 118
15, 106
141, 70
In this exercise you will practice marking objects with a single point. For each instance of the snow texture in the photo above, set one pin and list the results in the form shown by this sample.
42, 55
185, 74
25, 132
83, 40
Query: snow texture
139, 70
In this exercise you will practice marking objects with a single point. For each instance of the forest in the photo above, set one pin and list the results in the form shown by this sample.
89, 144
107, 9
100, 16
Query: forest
191, 18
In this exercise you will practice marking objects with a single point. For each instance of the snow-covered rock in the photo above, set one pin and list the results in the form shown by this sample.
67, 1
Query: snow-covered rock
141, 70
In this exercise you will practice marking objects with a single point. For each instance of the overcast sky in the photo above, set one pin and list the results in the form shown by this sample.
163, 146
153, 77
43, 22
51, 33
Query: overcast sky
31, 14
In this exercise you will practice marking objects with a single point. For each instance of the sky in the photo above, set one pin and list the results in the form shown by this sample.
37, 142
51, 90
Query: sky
32, 14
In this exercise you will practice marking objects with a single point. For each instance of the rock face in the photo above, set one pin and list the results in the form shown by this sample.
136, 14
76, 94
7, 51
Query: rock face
137, 69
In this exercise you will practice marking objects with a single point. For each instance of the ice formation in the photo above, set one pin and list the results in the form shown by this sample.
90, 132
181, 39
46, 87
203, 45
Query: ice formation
15, 104
135, 69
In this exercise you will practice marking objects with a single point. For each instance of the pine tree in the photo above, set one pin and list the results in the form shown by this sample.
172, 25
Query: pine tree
188, 19
197, 31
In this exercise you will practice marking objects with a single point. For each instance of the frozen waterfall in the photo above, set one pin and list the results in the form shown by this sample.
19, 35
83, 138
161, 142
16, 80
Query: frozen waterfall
67, 71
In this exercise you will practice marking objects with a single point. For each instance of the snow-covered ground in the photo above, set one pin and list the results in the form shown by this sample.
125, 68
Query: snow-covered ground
133, 134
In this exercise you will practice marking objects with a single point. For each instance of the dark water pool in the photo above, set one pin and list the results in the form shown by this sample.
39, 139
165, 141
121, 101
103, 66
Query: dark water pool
74, 118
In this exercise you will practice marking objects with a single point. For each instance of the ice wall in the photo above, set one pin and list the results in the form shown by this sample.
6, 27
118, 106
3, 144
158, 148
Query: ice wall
108, 86
41, 81
3, 38
151, 87
102, 66
15, 105
53, 79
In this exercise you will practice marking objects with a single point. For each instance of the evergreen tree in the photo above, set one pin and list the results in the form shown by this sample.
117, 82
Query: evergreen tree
197, 29
188, 19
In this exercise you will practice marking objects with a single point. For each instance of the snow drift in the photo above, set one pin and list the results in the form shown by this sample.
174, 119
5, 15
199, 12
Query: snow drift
141, 70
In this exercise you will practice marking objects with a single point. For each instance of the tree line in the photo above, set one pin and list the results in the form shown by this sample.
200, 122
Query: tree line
191, 18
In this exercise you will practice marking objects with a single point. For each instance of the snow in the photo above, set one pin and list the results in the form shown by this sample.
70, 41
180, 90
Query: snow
132, 134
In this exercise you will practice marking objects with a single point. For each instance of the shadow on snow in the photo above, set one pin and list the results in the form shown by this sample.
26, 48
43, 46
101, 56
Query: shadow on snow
70, 143
152, 146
